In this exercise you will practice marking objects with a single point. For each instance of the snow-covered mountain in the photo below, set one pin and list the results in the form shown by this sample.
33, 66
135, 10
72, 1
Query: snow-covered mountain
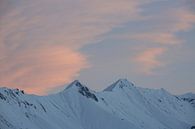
120, 106
190, 97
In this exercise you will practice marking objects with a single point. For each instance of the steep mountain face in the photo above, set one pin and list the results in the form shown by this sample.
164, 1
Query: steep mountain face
120, 106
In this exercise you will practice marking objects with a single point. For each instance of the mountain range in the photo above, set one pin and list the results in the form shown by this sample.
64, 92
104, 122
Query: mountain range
122, 105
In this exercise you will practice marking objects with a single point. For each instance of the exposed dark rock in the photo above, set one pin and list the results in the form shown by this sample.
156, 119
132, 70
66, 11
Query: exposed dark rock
26, 114
193, 127
77, 83
85, 92
177, 98
43, 107
188, 99
22, 91
2, 97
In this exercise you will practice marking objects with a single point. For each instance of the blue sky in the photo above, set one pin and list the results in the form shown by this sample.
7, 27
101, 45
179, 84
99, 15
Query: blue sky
45, 44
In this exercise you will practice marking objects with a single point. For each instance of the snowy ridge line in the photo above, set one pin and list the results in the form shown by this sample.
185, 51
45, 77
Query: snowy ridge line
122, 105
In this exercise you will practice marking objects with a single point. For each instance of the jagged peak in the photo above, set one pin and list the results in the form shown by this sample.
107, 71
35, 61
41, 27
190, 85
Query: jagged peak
10, 90
119, 84
81, 89
7, 93
75, 83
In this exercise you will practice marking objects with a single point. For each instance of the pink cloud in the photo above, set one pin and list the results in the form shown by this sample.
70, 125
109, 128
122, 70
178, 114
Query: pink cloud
162, 32
37, 71
186, 19
148, 60
158, 37
166, 25
40, 40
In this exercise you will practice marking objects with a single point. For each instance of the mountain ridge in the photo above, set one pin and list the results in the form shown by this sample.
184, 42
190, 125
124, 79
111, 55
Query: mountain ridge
122, 105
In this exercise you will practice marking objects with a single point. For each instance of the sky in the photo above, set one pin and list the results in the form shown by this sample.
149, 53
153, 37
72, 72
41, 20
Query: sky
46, 44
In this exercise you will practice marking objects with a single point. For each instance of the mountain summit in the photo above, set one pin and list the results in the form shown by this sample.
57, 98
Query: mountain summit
75, 83
120, 106
82, 89
120, 84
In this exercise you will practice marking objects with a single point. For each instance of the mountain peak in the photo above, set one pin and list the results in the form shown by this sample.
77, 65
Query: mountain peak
75, 83
123, 80
82, 89
121, 83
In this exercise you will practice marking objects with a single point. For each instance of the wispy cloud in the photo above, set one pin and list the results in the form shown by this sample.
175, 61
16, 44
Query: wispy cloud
40, 40
148, 60
165, 26
162, 32
157, 37
41, 69
185, 20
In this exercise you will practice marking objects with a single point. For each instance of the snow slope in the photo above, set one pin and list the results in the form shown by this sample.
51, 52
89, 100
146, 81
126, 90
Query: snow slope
120, 106
189, 97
